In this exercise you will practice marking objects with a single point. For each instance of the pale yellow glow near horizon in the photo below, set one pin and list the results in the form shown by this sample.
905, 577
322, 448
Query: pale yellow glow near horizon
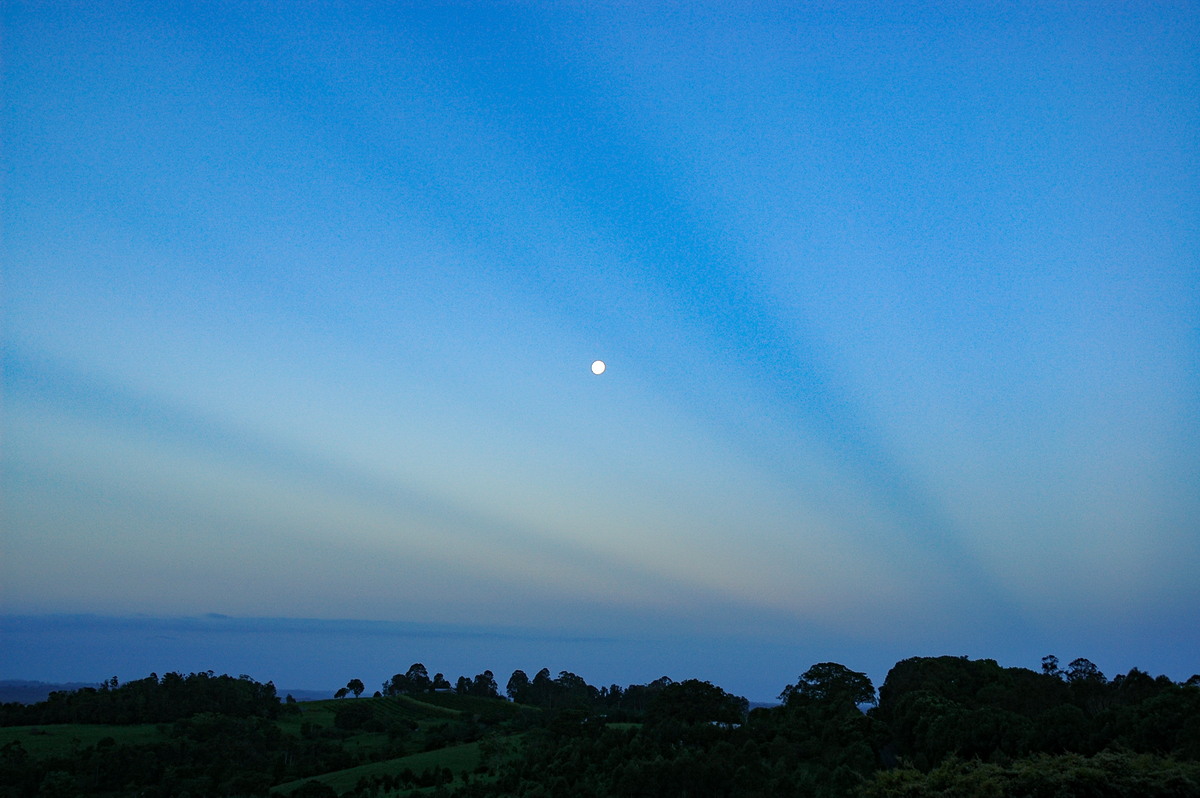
598, 367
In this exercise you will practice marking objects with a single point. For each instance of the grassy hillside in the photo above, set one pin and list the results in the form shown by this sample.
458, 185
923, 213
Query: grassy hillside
426, 734
61, 739
434, 721
458, 759
487, 707
939, 721
400, 708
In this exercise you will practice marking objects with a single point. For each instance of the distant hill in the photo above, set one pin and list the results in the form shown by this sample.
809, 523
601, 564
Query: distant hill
26, 692
23, 691
305, 695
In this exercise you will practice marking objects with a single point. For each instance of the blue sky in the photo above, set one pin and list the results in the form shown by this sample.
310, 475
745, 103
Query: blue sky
900, 305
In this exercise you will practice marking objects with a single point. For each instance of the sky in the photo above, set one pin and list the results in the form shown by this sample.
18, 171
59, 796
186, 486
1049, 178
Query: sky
900, 306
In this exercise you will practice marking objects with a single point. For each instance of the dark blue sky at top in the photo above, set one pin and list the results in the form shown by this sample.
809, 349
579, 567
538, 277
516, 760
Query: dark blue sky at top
899, 305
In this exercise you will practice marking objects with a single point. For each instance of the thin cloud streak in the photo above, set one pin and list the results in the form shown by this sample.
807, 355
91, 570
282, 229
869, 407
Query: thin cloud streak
38, 381
896, 305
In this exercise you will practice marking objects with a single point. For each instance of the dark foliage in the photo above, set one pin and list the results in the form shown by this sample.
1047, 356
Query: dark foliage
944, 706
414, 680
942, 726
150, 700
694, 701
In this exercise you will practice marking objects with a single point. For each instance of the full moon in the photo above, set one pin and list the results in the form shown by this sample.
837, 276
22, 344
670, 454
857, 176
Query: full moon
598, 367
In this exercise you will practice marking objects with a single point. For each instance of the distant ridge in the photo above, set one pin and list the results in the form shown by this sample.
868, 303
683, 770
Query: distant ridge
305, 695
23, 691
26, 692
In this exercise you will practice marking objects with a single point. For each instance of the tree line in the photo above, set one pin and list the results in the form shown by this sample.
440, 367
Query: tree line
150, 700
565, 691
936, 726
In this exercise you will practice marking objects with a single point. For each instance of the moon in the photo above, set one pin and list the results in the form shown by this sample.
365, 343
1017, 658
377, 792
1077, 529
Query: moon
598, 367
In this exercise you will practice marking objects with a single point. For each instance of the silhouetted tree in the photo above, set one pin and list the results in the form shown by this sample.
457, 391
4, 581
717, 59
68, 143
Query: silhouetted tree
1083, 670
693, 701
518, 687
543, 689
484, 686
830, 683
418, 678
415, 680
356, 686
573, 691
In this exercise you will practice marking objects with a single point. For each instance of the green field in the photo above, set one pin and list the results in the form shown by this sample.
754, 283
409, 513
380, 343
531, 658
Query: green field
397, 707
62, 739
421, 721
424, 707
400, 708
458, 758
466, 703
